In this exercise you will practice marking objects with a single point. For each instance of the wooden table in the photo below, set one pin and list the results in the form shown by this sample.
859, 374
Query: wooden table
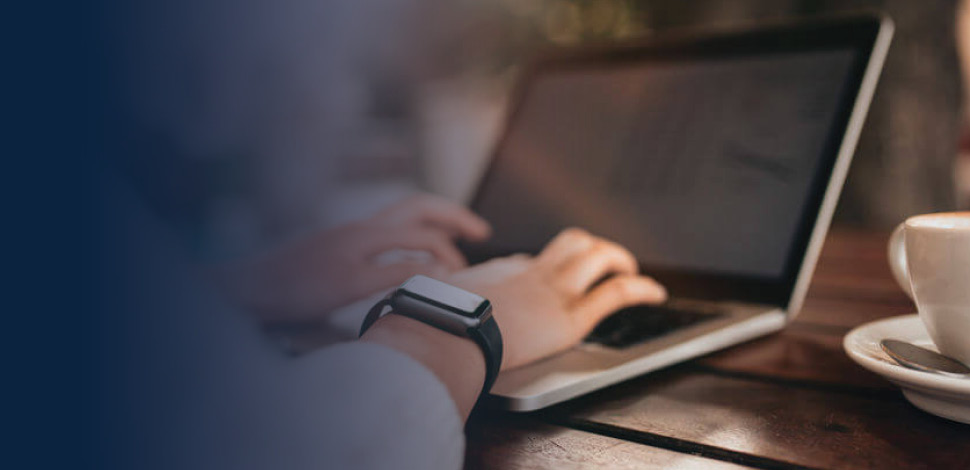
791, 400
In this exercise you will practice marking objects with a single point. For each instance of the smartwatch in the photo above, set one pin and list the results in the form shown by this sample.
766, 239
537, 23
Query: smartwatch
447, 308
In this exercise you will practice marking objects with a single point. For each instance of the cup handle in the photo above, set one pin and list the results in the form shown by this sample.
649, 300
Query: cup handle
897, 259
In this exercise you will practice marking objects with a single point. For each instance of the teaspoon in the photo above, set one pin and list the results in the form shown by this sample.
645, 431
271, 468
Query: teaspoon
915, 357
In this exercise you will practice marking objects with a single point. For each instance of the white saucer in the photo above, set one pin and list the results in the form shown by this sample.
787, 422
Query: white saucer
947, 397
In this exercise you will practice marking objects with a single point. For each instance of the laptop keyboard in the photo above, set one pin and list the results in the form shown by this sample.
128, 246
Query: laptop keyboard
634, 325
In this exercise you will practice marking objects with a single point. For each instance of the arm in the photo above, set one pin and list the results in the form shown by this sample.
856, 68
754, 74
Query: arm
543, 305
194, 386
457, 362
306, 279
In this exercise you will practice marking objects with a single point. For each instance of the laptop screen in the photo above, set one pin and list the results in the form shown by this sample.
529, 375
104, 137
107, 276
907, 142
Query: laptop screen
706, 163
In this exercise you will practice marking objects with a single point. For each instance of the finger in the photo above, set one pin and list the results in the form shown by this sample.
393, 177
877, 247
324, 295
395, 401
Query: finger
434, 211
433, 241
604, 258
564, 246
616, 293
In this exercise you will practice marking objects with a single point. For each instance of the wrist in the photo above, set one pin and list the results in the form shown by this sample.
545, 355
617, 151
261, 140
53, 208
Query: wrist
458, 362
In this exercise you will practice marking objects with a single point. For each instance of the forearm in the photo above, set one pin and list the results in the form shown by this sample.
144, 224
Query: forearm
457, 362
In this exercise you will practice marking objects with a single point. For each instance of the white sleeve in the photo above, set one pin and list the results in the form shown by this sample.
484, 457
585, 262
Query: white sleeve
194, 385
383, 410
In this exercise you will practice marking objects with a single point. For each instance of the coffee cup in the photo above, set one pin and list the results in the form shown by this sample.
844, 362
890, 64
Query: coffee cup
930, 257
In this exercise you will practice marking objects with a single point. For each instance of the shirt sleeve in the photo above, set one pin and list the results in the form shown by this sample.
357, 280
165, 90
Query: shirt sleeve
193, 384
392, 411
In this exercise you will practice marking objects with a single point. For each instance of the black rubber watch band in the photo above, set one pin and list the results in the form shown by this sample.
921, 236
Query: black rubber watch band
487, 336
374, 314
490, 339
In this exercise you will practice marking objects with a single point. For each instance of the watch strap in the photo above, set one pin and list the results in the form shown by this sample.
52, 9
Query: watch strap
488, 336
374, 314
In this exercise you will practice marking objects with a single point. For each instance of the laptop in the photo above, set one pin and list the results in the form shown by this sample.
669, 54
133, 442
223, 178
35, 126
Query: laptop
716, 159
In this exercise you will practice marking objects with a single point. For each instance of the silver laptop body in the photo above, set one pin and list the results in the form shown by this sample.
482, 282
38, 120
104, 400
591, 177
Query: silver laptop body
848, 55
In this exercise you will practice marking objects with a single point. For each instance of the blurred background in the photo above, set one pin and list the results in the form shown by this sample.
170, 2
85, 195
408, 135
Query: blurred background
255, 121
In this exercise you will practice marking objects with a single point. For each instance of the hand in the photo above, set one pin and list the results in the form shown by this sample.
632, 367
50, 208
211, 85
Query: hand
542, 305
549, 303
308, 278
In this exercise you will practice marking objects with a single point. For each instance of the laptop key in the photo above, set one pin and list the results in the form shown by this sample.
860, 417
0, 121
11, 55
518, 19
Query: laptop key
634, 325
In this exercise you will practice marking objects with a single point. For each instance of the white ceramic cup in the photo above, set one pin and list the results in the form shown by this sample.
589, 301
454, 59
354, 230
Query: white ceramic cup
930, 258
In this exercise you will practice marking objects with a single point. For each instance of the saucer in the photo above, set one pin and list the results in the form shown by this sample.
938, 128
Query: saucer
947, 397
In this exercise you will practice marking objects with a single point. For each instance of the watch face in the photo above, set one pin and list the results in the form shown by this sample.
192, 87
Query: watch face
458, 300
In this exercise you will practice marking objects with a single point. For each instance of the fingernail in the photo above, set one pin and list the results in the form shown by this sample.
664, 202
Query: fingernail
662, 291
486, 231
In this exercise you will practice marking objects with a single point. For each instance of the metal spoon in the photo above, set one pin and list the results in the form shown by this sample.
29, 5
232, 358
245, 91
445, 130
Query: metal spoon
915, 357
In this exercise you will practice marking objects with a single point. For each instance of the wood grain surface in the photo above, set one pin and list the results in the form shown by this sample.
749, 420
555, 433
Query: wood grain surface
792, 400
519, 442
804, 425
